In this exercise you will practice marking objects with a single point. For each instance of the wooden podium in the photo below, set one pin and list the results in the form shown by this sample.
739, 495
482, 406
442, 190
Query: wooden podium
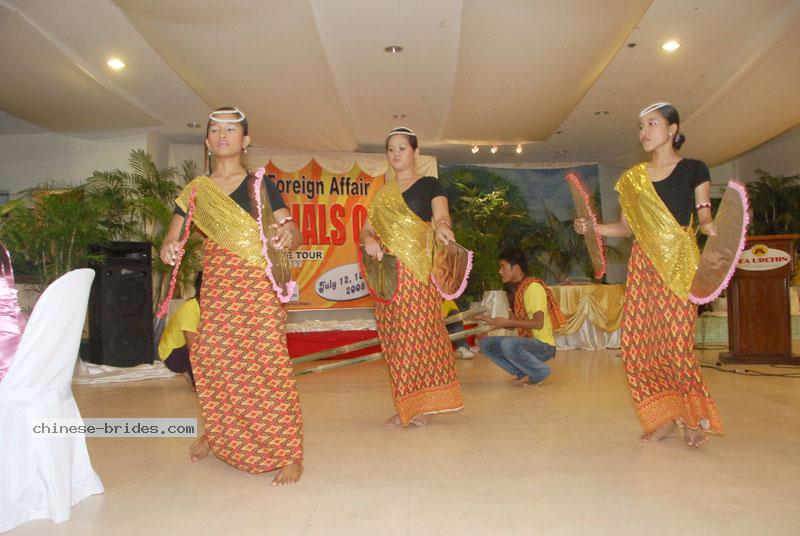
759, 322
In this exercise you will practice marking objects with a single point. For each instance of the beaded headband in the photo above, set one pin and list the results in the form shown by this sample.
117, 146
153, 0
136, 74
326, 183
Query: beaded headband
401, 130
235, 111
653, 107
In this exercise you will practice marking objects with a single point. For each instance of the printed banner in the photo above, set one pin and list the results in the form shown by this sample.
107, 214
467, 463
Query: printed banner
329, 209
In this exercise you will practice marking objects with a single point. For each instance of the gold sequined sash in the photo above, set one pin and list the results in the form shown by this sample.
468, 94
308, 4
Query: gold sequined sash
671, 248
402, 232
222, 220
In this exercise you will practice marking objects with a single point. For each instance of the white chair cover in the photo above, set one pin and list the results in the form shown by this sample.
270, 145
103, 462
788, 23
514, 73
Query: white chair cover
44, 476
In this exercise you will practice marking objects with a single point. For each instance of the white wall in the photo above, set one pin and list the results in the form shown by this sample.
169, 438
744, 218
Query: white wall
29, 159
158, 147
778, 157
178, 152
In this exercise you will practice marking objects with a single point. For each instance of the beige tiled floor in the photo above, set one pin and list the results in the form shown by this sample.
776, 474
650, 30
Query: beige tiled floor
562, 459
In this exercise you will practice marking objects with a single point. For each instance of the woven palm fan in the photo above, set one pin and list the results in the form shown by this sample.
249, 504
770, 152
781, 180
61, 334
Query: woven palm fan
380, 276
584, 208
452, 264
721, 252
279, 269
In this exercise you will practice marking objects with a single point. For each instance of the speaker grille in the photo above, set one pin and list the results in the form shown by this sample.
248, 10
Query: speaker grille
121, 306
127, 295
127, 344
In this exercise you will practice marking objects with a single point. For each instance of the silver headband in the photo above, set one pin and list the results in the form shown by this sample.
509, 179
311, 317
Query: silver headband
653, 108
235, 111
401, 130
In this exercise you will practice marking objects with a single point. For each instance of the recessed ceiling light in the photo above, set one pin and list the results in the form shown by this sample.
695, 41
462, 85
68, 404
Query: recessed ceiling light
399, 116
561, 151
193, 124
475, 149
519, 148
559, 131
601, 112
671, 46
494, 149
393, 49
116, 64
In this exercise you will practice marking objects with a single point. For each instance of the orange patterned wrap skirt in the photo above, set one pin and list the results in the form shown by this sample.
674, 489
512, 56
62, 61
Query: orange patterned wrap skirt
417, 349
244, 376
658, 353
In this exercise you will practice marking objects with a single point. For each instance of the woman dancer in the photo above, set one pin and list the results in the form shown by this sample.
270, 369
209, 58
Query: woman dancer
658, 199
240, 362
413, 336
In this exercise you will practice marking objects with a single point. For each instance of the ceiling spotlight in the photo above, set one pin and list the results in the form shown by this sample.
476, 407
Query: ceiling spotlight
115, 63
393, 49
193, 124
519, 148
475, 149
494, 149
671, 46
399, 116
601, 112
561, 151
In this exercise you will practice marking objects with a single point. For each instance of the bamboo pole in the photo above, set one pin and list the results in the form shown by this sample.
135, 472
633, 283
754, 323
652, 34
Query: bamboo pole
377, 355
339, 350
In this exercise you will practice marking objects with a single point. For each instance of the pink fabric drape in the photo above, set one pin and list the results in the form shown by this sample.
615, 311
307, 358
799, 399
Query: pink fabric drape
12, 319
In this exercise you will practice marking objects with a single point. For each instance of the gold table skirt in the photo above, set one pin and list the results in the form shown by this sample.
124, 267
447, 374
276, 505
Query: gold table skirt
600, 304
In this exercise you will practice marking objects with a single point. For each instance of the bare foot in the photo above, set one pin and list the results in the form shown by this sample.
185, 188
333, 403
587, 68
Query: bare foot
520, 379
694, 438
289, 474
199, 449
421, 420
660, 433
394, 420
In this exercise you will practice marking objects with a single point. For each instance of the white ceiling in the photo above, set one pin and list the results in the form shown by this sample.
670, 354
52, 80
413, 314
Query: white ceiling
312, 74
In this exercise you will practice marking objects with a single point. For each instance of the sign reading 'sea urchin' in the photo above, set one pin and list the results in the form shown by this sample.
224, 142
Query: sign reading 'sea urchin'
761, 257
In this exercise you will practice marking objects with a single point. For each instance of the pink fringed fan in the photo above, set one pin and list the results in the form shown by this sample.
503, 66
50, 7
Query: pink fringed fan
584, 208
721, 252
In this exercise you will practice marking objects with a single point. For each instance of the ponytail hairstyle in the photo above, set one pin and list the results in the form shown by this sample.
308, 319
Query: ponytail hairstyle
668, 112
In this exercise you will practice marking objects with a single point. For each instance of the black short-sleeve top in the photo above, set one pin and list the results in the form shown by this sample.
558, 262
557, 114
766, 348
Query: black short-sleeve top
242, 197
419, 196
677, 190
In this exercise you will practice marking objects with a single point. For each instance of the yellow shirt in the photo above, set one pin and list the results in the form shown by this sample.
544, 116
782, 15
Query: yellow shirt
186, 318
535, 301
448, 306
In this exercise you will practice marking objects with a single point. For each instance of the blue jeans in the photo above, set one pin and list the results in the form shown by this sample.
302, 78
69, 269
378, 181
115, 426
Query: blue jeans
520, 356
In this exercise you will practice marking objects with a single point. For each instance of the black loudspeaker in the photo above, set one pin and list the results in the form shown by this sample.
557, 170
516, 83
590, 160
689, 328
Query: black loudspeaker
121, 306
